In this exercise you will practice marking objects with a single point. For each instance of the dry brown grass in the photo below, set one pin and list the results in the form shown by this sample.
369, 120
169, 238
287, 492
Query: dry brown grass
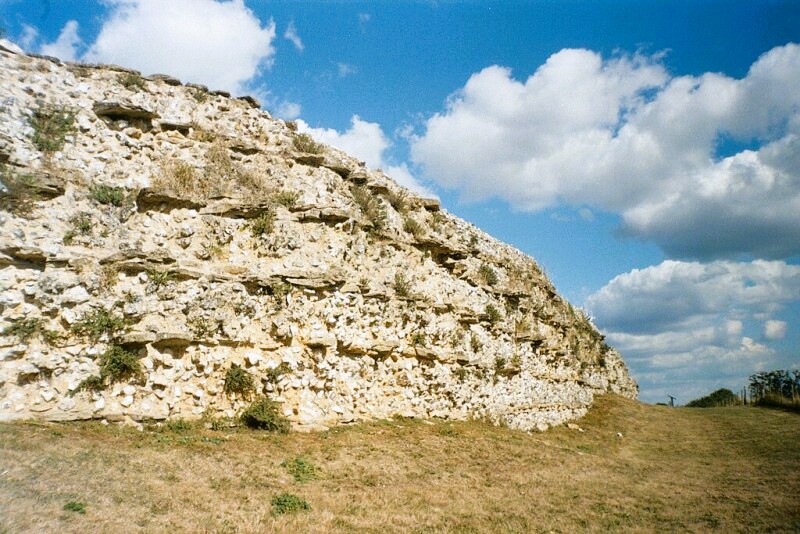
220, 176
727, 469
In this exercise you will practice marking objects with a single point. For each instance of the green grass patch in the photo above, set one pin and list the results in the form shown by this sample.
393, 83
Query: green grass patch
287, 503
75, 506
301, 469
105, 194
98, 323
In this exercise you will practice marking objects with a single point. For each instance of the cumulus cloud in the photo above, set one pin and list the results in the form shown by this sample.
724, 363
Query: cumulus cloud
624, 135
220, 44
367, 141
678, 322
286, 110
680, 294
64, 47
774, 329
291, 35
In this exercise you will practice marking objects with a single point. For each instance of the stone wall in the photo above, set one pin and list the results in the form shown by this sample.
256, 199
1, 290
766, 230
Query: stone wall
195, 232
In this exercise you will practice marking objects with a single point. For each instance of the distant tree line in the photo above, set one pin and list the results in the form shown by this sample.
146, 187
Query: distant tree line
780, 388
721, 397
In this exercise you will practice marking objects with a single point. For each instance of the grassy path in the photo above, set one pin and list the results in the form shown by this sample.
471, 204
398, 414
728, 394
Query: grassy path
726, 469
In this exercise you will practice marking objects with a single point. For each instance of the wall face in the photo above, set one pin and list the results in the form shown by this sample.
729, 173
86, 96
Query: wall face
190, 232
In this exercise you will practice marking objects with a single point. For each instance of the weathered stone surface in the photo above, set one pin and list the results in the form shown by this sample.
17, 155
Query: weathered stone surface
312, 160
264, 260
430, 204
359, 177
235, 208
325, 214
251, 101
121, 110
172, 126
149, 199
166, 78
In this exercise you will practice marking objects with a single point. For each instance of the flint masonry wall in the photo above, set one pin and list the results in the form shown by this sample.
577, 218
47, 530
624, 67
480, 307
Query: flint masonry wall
345, 297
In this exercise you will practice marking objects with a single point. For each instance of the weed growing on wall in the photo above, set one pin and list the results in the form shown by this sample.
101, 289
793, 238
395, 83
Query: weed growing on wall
238, 382
51, 126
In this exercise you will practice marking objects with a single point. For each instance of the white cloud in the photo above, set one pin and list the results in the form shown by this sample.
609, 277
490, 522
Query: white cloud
680, 294
623, 135
292, 35
220, 44
363, 18
344, 70
28, 37
287, 110
774, 329
680, 324
366, 141
65, 47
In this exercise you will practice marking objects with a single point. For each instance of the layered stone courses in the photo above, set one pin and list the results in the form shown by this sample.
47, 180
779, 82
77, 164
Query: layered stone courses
338, 316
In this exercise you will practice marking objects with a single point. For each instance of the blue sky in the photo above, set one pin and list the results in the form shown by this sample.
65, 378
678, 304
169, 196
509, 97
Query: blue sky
647, 154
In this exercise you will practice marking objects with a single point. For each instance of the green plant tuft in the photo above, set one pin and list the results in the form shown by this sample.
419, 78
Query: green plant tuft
263, 414
51, 126
79, 225
401, 286
132, 81
286, 503
302, 470
475, 342
286, 198
275, 373
21, 192
488, 274
24, 329
159, 278
238, 381
264, 224
371, 207
419, 339
493, 314
118, 364
99, 322
105, 194
75, 506
91, 383
279, 290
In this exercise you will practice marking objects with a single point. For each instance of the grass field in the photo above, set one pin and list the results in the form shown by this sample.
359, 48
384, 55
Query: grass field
673, 470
